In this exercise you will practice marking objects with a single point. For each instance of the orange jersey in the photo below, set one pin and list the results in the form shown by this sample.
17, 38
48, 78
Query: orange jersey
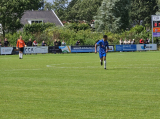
20, 43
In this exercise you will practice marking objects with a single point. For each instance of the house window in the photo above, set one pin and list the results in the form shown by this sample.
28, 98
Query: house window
36, 21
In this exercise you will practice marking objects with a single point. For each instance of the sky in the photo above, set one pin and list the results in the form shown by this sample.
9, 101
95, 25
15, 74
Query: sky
49, 1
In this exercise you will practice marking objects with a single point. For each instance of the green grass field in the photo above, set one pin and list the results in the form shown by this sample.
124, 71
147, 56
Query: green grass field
75, 86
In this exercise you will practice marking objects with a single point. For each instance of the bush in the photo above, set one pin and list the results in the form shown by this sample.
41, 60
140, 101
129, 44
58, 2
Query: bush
138, 29
77, 26
13, 38
71, 37
37, 27
86, 37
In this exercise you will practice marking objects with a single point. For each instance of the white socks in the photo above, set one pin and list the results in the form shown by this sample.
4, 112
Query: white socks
105, 64
21, 55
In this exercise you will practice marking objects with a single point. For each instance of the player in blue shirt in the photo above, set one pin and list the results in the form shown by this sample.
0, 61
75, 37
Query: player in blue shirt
102, 49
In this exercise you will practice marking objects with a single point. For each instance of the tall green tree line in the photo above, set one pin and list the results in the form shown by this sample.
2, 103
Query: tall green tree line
117, 15
75, 9
141, 10
112, 15
83, 9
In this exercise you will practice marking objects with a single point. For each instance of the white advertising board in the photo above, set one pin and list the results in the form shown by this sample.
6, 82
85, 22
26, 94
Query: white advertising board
6, 50
29, 50
41, 49
141, 47
111, 48
33, 50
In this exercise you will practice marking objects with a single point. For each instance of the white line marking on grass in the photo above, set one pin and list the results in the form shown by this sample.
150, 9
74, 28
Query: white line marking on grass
134, 65
70, 63
71, 67
5, 57
56, 65
129, 66
20, 69
137, 67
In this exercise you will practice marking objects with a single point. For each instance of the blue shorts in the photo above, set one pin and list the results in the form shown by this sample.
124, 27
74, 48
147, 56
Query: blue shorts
101, 55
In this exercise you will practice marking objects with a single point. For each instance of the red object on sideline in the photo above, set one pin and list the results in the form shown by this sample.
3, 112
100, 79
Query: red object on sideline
141, 41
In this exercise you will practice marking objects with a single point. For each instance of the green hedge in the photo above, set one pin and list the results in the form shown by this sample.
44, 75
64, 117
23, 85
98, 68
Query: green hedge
37, 27
77, 26
13, 38
71, 36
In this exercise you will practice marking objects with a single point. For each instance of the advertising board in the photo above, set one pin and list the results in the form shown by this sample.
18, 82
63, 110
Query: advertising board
6, 50
65, 49
88, 48
141, 47
34, 50
111, 48
82, 49
126, 47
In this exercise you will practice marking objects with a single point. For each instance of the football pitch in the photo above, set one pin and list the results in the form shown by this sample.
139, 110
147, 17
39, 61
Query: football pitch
76, 86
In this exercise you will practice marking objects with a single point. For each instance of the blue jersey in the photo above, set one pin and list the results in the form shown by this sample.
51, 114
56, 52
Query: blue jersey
102, 46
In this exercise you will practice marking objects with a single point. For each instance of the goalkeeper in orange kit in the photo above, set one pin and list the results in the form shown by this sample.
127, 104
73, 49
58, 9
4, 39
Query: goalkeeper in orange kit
20, 44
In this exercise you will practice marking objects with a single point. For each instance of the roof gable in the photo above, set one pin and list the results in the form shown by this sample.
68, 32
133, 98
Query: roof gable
46, 16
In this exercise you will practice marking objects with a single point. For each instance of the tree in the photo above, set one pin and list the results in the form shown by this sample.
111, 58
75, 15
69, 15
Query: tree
70, 14
83, 9
112, 16
11, 11
60, 6
158, 4
48, 6
141, 10
33, 4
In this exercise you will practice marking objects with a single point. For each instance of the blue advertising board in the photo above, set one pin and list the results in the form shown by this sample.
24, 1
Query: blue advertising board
111, 48
126, 47
88, 48
82, 48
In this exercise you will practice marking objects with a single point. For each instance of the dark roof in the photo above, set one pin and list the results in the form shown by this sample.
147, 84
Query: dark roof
46, 16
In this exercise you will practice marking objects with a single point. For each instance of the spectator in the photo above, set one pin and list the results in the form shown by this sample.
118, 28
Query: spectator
29, 43
55, 43
133, 41
43, 43
129, 42
6, 43
78, 42
141, 41
55, 46
146, 42
125, 41
157, 41
59, 42
0, 43
63, 43
121, 42
35, 43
